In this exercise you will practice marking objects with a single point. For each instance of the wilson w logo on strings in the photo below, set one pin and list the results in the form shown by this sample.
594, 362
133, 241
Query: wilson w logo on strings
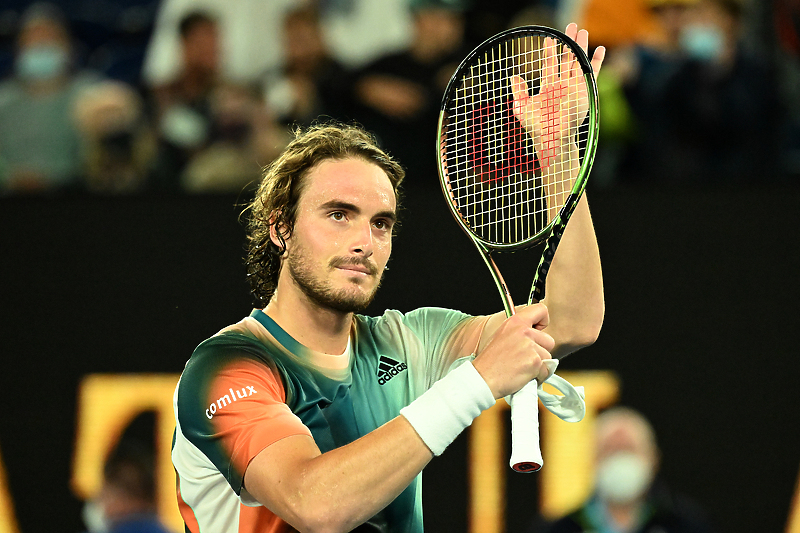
498, 144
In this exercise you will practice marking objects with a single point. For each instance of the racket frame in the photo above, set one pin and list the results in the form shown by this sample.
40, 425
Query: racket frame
551, 234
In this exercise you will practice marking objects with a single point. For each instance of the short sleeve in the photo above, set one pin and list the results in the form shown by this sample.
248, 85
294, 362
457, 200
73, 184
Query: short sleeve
232, 409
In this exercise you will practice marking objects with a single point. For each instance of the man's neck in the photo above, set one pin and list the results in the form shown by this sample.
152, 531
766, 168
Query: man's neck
319, 329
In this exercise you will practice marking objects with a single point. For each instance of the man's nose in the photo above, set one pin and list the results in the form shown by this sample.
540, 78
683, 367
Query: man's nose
362, 239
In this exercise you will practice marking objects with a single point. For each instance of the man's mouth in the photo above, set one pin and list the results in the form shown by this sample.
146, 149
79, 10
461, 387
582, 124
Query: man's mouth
362, 266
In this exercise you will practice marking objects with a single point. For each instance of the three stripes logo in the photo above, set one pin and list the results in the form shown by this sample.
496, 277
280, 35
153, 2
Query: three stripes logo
389, 368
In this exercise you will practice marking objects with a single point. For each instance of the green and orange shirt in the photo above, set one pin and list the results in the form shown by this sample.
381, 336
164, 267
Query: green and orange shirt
252, 384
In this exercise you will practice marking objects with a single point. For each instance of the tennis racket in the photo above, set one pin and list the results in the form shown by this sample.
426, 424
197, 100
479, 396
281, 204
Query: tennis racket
516, 139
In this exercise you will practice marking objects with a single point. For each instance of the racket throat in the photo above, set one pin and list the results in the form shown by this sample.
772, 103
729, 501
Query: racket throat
508, 302
549, 252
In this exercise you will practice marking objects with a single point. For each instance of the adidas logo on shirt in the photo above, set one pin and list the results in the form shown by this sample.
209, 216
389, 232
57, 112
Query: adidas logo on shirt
389, 368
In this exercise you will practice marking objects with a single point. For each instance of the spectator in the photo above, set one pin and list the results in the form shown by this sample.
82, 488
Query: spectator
702, 108
628, 497
39, 144
632, 94
721, 105
182, 106
126, 502
243, 139
311, 82
118, 144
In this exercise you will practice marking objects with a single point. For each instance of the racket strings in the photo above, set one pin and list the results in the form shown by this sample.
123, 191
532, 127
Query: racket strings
504, 154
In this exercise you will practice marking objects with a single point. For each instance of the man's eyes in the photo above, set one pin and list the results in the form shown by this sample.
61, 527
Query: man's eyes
380, 224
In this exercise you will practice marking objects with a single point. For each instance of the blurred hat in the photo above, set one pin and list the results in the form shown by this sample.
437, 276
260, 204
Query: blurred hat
668, 3
455, 5
43, 12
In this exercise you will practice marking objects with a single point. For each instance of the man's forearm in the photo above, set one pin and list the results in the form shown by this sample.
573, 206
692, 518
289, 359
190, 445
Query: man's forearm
574, 285
340, 489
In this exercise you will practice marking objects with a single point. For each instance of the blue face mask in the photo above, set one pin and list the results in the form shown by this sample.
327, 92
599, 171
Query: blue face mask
41, 63
705, 43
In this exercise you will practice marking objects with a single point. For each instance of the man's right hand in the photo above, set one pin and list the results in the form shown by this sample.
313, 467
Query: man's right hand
515, 353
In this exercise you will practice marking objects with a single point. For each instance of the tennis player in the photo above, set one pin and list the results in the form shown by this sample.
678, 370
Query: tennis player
309, 416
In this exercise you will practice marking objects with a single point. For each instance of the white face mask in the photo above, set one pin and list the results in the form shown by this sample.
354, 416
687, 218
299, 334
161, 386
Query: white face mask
184, 126
623, 477
42, 62
93, 517
703, 42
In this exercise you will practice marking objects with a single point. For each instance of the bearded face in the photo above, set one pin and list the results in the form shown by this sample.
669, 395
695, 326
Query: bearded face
317, 282
341, 239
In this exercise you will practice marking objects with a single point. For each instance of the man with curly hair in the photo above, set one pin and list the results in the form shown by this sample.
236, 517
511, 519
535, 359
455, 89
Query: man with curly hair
309, 416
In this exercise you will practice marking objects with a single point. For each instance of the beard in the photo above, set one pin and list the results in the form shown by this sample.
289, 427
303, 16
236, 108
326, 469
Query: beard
321, 292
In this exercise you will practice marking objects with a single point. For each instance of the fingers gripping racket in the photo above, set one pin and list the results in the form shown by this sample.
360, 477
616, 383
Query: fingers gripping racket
516, 139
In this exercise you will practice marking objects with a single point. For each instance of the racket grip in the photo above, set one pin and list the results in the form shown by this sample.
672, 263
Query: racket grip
526, 454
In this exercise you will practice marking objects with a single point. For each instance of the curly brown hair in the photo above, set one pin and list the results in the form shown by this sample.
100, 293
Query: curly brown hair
275, 201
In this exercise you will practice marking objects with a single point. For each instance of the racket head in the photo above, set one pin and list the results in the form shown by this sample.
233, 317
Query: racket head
495, 171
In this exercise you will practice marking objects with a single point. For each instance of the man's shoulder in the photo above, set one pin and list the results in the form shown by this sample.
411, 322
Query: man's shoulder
422, 314
228, 340
235, 342
424, 324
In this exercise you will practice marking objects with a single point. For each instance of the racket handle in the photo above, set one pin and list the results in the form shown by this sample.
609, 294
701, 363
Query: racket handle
526, 454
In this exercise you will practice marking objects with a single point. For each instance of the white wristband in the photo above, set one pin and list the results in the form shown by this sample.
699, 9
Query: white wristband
447, 408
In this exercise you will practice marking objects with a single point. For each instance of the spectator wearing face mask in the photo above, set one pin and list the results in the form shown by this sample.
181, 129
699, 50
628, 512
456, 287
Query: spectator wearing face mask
722, 110
632, 91
39, 143
628, 497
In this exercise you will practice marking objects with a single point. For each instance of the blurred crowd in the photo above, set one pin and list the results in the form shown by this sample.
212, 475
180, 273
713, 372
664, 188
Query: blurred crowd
198, 96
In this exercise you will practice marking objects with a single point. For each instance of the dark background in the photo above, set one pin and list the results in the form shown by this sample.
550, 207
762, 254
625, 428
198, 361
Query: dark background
701, 298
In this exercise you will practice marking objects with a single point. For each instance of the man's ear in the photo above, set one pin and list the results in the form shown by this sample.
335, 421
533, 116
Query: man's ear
275, 228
